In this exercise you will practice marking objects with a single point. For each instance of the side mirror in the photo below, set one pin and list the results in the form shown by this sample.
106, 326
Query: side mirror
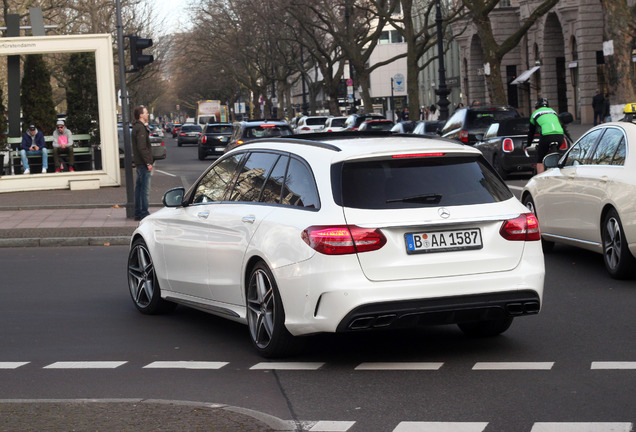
551, 160
479, 137
174, 197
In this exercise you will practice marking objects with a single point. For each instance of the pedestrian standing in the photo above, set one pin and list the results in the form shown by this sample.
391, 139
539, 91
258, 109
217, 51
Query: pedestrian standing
598, 105
142, 155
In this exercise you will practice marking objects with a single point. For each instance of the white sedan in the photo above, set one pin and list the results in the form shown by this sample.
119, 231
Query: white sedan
294, 237
588, 197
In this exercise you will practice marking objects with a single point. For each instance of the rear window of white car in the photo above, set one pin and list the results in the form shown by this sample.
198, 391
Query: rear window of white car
417, 182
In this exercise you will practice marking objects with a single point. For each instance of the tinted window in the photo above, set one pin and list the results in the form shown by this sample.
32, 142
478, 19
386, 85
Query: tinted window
607, 146
252, 177
422, 182
483, 119
191, 128
267, 131
274, 184
338, 122
300, 188
316, 121
514, 127
579, 152
217, 181
219, 129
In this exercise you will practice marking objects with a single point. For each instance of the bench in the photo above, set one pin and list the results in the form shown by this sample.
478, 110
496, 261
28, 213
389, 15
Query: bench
82, 152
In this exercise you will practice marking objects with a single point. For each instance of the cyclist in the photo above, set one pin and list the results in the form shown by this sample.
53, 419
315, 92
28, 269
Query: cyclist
549, 127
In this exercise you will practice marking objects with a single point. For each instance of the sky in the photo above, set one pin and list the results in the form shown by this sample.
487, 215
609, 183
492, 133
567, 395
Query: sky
174, 12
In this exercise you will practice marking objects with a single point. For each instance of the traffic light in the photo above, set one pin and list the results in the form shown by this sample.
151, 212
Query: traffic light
137, 58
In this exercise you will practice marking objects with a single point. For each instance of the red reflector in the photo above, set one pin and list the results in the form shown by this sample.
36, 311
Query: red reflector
414, 155
463, 136
523, 228
508, 145
564, 144
343, 239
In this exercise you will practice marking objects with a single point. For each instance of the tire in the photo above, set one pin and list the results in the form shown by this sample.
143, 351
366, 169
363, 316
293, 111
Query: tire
546, 245
496, 163
142, 281
619, 261
201, 153
266, 317
486, 328
179, 143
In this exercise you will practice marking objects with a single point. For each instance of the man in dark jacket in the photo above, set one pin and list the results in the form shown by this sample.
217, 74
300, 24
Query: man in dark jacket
33, 144
598, 105
142, 157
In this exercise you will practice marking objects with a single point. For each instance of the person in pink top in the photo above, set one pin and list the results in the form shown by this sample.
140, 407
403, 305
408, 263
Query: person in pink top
63, 144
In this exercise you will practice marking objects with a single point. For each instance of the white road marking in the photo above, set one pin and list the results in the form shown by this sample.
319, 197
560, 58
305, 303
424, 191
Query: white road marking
519, 188
582, 427
331, 426
613, 365
287, 366
185, 365
440, 427
12, 365
166, 173
513, 366
86, 365
399, 366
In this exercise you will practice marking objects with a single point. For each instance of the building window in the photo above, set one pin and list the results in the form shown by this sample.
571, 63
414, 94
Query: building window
391, 37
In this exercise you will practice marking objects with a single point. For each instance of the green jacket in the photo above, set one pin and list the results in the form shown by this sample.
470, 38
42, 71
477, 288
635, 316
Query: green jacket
548, 122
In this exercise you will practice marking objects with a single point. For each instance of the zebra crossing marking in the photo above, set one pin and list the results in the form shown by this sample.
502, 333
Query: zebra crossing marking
12, 365
513, 366
582, 427
441, 427
613, 365
287, 366
85, 365
399, 366
185, 365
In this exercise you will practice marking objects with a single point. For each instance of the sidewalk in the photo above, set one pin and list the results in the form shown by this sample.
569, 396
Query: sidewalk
82, 217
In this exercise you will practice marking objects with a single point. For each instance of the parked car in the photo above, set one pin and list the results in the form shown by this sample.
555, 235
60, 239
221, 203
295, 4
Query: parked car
155, 130
469, 124
376, 125
189, 134
586, 199
404, 126
354, 121
214, 139
309, 124
254, 129
347, 234
168, 127
176, 127
504, 146
333, 124
157, 145
429, 127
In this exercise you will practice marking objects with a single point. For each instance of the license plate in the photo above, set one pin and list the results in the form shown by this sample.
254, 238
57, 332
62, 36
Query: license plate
223, 139
219, 149
443, 241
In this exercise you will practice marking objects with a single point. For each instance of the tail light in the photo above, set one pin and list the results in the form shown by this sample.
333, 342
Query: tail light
305, 128
508, 145
463, 136
204, 140
343, 239
182, 134
564, 144
523, 228
163, 143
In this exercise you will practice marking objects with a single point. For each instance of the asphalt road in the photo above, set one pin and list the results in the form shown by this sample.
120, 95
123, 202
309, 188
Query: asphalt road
70, 304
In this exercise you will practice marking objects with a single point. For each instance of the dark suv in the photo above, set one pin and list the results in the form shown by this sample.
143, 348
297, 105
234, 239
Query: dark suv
214, 139
468, 125
254, 129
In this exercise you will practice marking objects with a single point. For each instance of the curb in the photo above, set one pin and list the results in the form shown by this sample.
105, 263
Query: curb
64, 241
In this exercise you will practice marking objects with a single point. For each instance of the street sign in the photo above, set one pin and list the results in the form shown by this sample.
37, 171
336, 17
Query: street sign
350, 82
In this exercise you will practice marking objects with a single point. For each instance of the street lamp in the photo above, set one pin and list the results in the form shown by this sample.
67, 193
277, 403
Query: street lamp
442, 91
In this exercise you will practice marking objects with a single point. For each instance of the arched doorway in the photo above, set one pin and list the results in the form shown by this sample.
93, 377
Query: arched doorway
554, 68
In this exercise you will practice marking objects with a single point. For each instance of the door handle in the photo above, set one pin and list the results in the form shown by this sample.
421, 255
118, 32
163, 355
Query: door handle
249, 219
203, 214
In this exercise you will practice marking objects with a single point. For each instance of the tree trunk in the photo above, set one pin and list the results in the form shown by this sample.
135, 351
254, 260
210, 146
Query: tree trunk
618, 28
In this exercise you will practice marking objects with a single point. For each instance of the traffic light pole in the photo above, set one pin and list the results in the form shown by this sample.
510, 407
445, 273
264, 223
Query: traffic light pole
130, 192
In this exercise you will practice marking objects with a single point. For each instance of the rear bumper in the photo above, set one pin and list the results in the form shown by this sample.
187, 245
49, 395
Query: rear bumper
445, 310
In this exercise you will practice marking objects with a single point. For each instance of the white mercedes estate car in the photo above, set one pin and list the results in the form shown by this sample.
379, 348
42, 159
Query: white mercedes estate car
347, 233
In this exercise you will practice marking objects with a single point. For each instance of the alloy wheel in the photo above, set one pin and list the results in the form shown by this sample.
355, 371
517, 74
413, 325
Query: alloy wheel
261, 310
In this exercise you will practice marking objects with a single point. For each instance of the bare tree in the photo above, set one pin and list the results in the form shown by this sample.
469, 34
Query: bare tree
620, 28
493, 51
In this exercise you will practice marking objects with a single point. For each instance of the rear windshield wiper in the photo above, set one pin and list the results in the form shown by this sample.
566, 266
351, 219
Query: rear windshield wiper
426, 199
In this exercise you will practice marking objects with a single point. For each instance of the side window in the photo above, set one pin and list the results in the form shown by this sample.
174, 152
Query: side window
300, 188
619, 156
579, 153
252, 177
274, 184
218, 180
604, 152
